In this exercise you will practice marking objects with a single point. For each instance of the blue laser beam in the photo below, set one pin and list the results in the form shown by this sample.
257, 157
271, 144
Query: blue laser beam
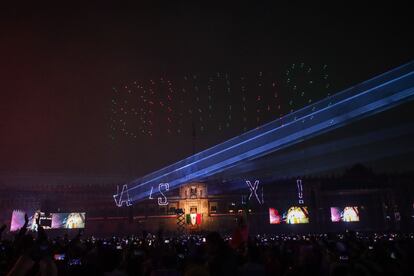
345, 144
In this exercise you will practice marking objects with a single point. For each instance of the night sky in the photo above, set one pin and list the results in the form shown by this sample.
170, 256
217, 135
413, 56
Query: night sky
59, 66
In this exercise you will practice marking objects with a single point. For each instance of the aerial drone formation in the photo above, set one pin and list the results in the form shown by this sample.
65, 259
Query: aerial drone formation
207, 104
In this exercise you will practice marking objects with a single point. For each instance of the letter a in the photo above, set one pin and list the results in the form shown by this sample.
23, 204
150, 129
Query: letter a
121, 197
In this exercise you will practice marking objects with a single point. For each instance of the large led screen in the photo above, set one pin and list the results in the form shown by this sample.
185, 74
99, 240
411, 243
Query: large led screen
37, 218
17, 220
68, 220
47, 221
294, 215
346, 214
42, 219
274, 216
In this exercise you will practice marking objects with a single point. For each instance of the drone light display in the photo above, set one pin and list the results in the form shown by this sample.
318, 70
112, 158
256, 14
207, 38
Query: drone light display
213, 103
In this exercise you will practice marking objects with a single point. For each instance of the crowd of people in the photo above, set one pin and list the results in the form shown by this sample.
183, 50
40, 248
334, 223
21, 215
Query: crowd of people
349, 253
